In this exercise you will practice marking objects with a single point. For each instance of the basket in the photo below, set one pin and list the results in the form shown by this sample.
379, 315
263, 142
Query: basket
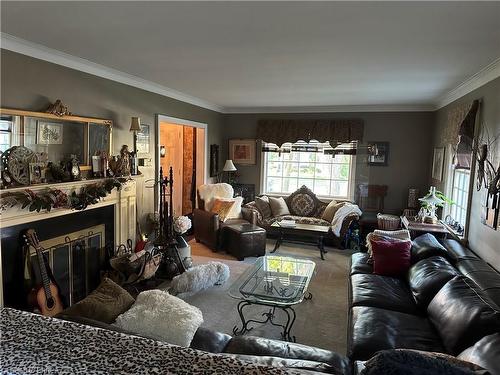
388, 222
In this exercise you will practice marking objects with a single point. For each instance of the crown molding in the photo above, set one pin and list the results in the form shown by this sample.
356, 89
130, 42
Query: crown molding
485, 75
333, 108
24, 47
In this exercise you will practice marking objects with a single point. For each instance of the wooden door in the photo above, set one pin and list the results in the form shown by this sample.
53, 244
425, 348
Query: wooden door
171, 136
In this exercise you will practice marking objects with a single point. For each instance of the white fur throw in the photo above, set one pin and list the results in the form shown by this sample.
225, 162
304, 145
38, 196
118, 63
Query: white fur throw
200, 277
341, 214
163, 317
209, 192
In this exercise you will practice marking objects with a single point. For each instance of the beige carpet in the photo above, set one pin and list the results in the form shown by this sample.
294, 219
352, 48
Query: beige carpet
320, 322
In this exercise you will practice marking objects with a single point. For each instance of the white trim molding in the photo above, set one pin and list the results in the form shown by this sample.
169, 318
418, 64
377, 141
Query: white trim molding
24, 47
485, 75
334, 108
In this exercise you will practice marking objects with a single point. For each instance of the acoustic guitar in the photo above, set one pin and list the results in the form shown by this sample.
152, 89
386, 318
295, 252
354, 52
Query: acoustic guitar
45, 297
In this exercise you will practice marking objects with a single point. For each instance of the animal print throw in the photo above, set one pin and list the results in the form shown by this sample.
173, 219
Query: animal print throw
35, 344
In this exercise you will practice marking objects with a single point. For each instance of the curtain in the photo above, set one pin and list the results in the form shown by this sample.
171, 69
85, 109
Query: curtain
461, 125
333, 131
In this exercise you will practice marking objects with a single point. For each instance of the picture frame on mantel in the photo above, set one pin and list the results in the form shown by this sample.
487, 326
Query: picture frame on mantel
438, 164
242, 151
378, 154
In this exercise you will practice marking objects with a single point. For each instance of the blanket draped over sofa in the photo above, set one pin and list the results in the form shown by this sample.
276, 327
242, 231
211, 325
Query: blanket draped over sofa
33, 343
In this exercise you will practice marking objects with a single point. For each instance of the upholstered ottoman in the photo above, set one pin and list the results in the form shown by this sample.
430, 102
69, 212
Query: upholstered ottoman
244, 240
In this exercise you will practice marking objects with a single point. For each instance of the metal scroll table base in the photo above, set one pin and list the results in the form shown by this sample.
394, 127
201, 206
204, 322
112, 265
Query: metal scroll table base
270, 316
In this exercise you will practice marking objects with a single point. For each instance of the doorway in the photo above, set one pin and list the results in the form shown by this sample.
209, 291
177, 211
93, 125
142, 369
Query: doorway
181, 145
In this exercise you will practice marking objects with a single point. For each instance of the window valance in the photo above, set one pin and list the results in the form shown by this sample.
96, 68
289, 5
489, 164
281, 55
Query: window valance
333, 131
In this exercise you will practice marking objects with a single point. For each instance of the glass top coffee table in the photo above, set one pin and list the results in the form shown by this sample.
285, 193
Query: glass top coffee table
274, 282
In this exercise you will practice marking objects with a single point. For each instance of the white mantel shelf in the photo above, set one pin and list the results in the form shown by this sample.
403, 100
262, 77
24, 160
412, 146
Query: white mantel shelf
124, 201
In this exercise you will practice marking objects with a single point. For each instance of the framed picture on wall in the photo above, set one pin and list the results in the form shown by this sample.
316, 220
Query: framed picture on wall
49, 133
378, 153
142, 142
214, 160
242, 151
438, 163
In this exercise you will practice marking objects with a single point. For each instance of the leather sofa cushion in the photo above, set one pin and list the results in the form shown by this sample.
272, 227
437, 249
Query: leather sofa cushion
375, 329
427, 277
483, 275
485, 353
456, 250
209, 341
361, 263
295, 365
426, 246
382, 291
463, 314
258, 346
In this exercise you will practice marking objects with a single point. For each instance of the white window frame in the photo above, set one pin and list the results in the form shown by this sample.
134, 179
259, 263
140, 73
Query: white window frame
464, 208
350, 181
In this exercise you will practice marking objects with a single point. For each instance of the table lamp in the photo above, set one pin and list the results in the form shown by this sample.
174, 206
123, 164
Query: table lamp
431, 202
229, 167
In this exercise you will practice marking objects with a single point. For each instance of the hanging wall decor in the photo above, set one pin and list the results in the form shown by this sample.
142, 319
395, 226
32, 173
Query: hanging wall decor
214, 160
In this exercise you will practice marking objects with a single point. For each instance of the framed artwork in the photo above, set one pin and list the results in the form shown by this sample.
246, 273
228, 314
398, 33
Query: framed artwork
242, 151
214, 160
142, 140
438, 163
49, 133
378, 153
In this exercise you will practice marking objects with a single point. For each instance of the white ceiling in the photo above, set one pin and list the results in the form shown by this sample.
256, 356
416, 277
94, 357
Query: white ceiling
242, 55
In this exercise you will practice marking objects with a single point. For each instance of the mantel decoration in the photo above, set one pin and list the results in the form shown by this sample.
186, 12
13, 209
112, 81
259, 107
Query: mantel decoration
54, 198
58, 109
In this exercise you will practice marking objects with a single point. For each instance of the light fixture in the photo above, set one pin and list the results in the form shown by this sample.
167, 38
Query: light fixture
163, 151
431, 203
135, 125
229, 166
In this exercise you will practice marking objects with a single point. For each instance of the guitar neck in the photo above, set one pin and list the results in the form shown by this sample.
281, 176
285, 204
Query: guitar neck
43, 272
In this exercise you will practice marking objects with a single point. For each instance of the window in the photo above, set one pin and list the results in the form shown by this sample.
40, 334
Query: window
460, 195
307, 164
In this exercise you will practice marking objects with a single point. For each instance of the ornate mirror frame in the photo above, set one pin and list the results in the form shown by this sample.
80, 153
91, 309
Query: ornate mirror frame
85, 121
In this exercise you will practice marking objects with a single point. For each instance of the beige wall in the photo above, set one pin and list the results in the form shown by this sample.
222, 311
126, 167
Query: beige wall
482, 239
407, 132
28, 83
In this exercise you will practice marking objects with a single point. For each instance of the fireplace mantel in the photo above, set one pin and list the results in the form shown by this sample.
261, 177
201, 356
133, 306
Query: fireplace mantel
123, 200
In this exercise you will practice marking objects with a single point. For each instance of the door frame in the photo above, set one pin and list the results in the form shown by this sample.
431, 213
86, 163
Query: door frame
176, 121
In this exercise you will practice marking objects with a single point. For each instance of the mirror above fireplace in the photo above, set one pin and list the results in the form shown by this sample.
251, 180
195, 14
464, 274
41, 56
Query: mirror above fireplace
58, 136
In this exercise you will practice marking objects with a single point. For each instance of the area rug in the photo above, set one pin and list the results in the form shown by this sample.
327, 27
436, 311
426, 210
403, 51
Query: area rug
320, 322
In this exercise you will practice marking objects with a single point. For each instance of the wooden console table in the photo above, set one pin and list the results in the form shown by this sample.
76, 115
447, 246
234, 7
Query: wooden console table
417, 228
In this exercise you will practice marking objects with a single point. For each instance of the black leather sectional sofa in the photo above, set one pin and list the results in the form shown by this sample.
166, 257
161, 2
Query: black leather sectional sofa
448, 302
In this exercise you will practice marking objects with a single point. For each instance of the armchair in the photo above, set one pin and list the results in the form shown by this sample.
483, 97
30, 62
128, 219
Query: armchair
207, 225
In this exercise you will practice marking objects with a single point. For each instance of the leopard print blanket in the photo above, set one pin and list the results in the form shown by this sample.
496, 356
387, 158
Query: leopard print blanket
34, 344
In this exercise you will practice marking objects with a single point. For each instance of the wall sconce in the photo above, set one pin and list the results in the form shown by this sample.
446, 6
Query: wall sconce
163, 151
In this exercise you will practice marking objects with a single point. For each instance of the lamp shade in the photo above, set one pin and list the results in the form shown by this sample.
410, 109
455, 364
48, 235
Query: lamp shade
229, 166
431, 198
135, 125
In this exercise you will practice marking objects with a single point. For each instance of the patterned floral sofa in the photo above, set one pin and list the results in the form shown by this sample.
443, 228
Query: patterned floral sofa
305, 208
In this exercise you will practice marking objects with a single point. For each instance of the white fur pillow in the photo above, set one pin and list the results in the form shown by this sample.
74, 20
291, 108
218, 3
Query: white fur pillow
160, 316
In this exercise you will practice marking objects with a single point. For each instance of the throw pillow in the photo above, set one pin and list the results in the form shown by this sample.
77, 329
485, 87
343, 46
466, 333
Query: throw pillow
391, 235
262, 204
278, 206
235, 211
222, 208
104, 304
329, 211
163, 317
390, 258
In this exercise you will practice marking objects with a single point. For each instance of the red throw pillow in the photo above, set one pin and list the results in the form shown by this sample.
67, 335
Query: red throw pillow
391, 258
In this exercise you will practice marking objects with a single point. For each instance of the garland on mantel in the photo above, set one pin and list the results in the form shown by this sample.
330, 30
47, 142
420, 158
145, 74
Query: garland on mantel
55, 198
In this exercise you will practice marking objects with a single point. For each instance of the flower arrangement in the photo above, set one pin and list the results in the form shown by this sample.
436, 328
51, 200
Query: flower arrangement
182, 224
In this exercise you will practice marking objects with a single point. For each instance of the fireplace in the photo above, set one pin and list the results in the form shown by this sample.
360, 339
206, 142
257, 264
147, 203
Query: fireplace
75, 240
74, 246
